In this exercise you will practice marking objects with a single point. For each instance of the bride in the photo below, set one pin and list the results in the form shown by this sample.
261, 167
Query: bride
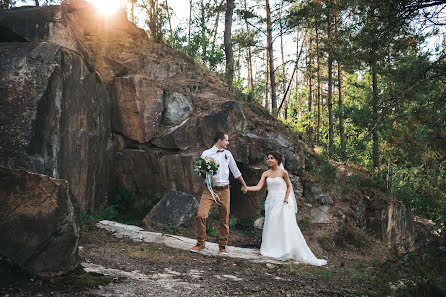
281, 238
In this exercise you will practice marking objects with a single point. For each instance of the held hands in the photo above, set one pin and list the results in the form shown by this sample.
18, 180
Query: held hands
244, 189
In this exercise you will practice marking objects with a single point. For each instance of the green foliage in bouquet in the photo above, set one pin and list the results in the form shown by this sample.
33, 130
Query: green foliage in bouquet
206, 165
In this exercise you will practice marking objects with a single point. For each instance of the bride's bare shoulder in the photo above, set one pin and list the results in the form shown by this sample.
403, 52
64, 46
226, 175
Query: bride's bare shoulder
266, 173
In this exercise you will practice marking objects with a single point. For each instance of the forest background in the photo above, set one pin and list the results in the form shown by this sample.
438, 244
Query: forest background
362, 82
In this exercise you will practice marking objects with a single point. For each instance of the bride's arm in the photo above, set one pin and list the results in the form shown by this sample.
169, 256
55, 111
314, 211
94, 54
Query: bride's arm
288, 185
259, 185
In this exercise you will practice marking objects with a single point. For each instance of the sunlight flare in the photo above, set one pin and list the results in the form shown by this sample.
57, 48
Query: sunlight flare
107, 7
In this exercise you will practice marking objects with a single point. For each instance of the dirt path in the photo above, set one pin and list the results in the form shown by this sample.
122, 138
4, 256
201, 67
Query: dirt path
124, 267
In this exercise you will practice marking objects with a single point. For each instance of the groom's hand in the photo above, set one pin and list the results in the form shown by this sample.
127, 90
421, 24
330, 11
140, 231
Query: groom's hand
244, 189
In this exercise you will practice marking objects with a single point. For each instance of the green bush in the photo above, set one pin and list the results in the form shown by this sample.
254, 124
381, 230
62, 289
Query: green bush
170, 229
327, 172
304, 222
121, 209
211, 231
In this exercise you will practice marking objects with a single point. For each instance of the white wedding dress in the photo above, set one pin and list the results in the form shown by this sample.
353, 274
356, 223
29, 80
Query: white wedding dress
281, 238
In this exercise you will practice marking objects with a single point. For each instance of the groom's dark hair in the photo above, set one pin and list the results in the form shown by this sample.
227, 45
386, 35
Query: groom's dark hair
219, 135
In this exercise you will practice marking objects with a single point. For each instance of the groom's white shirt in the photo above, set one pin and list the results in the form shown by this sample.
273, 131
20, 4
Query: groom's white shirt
226, 161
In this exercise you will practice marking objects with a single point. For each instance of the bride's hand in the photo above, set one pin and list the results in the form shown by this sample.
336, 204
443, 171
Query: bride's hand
285, 201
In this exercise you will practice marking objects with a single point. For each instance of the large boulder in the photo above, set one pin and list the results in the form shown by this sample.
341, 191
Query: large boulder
55, 118
39, 226
174, 209
389, 220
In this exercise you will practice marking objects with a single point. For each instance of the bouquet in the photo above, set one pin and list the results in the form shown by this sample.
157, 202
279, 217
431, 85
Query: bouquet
207, 167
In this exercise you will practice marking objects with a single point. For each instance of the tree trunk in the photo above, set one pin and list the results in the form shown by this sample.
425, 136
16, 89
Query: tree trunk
284, 80
132, 13
203, 20
310, 94
267, 82
228, 42
37, 2
271, 59
250, 76
330, 88
341, 103
318, 125
375, 112
216, 25
389, 174
168, 19
190, 20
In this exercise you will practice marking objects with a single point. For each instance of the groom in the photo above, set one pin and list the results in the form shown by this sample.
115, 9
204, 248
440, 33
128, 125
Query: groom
224, 157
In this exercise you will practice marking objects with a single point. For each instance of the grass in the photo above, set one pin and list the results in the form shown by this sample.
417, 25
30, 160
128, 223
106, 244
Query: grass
79, 278
171, 229
327, 244
347, 236
304, 222
211, 231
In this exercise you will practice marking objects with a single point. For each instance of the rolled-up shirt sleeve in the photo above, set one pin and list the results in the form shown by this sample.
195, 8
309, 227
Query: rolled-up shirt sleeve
233, 167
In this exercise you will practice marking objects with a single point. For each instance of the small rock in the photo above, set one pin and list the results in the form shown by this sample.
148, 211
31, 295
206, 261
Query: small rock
316, 192
308, 205
326, 199
258, 225
269, 265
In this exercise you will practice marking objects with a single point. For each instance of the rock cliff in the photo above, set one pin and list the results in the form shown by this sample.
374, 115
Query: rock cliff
93, 101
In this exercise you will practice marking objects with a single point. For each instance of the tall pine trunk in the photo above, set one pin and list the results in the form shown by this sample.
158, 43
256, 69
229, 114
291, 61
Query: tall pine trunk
228, 43
132, 12
375, 112
214, 38
318, 125
250, 76
190, 21
310, 94
272, 73
341, 103
330, 87
37, 2
267, 82
168, 19
284, 79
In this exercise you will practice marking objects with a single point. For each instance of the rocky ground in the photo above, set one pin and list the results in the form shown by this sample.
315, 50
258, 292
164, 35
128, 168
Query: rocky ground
123, 267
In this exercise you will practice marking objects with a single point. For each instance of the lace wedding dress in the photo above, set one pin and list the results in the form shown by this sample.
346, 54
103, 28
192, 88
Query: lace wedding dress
281, 238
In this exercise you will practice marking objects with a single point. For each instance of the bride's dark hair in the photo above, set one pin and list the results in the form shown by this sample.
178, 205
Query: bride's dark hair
277, 156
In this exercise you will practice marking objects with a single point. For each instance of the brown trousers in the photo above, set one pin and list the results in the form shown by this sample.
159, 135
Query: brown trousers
206, 204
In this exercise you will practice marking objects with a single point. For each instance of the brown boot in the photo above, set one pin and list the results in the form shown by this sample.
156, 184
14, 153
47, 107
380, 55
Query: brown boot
223, 250
198, 247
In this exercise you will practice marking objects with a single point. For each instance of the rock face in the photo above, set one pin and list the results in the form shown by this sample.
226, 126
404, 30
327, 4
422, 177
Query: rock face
39, 227
103, 107
55, 117
136, 107
390, 221
174, 209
